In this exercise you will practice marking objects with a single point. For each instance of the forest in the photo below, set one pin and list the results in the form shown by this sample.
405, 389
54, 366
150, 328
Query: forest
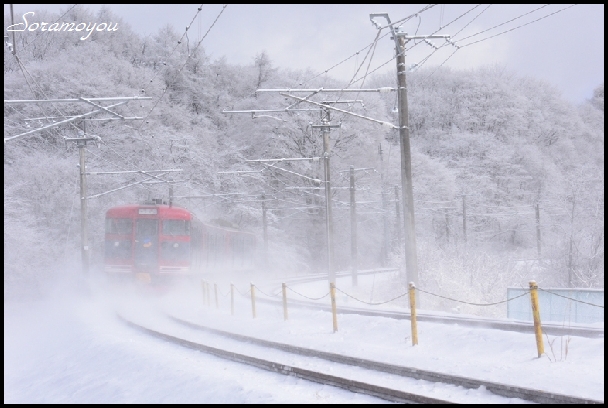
508, 177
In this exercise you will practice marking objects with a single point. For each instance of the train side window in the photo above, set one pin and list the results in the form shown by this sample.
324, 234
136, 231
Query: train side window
176, 227
122, 226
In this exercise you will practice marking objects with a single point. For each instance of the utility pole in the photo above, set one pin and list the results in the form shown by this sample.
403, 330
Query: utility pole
81, 143
353, 227
401, 38
13, 24
329, 229
447, 225
570, 268
83, 206
397, 217
537, 230
384, 250
385, 245
265, 230
464, 219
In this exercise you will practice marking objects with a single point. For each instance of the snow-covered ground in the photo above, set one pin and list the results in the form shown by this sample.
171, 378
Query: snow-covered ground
73, 349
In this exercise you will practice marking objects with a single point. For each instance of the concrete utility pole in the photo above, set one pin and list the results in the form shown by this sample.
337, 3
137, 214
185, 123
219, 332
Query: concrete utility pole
384, 251
14, 41
265, 229
325, 129
397, 217
537, 229
81, 143
83, 207
401, 38
353, 227
464, 219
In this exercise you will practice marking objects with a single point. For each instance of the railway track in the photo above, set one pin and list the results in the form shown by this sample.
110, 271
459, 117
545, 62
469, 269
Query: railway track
373, 388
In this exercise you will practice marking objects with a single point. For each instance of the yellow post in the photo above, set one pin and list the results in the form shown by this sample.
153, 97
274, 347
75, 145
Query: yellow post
208, 293
217, 305
538, 330
285, 301
332, 292
413, 314
232, 299
253, 300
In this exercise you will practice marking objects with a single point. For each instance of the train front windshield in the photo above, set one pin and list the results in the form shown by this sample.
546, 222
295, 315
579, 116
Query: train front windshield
146, 242
118, 247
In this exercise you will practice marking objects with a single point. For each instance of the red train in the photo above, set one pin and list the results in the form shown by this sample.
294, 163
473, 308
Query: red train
157, 243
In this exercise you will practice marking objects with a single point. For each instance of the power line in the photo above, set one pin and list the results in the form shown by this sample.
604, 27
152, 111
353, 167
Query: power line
182, 67
180, 40
465, 26
40, 32
403, 20
506, 22
523, 25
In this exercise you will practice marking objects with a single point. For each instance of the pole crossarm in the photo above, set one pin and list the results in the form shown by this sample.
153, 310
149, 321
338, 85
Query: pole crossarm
166, 181
90, 119
118, 98
254, 111
359, 169
209, 195
240, 171
383, 123
122, 187
103, 107
132, 171
71, 119
283, 159
293, 172
320, 90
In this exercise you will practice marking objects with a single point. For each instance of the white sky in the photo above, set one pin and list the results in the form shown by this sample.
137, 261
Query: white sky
565, 49
72, 349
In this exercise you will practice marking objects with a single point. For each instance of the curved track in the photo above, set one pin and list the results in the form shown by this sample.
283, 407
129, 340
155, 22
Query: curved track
318, 377
376, 390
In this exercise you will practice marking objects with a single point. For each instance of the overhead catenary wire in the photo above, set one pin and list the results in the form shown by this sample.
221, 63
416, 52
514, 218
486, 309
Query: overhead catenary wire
520, 26
199, 9
183, 65
403, 20
40, 32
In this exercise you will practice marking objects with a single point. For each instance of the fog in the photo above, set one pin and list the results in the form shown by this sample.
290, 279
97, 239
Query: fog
73, 348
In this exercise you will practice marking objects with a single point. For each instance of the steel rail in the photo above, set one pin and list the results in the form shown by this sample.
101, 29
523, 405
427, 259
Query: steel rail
385, 393
503, 390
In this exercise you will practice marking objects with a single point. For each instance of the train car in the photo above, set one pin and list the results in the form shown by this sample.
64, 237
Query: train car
157, 243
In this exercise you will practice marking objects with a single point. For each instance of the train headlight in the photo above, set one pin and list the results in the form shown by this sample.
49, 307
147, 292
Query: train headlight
116, 243
175, 245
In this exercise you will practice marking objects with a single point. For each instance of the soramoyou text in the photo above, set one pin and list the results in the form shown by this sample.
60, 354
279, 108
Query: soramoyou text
60, 26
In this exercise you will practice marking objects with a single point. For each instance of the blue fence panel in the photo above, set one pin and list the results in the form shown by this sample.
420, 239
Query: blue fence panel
555, 308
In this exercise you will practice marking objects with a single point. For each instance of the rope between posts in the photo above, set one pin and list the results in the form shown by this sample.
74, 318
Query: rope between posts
371, 303
574, 300
227, 293
264, 293
471, 303
241, 293
297, 293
